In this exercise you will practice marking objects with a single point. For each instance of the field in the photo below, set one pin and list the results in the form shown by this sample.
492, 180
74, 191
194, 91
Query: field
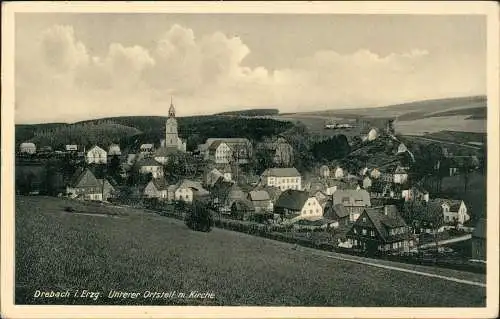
137, 251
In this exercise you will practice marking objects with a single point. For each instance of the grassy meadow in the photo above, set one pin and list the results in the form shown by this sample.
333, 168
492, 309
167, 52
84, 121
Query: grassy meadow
132, 250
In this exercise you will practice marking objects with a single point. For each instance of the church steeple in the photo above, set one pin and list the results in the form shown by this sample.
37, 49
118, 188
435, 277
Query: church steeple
171, 110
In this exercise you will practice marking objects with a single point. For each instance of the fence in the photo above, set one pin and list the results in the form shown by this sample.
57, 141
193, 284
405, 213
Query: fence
284, 233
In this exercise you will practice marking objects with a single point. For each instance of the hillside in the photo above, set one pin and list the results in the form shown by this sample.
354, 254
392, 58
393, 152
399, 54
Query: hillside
252, 112
472, 105
130, 131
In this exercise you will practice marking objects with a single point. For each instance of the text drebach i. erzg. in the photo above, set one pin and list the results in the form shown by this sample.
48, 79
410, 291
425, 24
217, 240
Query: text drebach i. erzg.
116, 294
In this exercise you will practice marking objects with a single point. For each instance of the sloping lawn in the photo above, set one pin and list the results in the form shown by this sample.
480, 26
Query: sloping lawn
136, 252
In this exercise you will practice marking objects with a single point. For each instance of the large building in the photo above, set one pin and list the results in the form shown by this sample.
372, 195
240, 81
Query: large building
282, 178
27, 148
96, 155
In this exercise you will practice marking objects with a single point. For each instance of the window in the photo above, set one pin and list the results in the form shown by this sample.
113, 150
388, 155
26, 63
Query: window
364, 231
355, 230
372, 233
364, 219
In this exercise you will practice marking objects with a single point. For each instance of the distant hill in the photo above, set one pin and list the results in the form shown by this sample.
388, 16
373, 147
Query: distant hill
472, 105
252, 112
131, 131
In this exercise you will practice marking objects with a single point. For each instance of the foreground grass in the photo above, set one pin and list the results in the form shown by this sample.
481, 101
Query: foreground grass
138, 252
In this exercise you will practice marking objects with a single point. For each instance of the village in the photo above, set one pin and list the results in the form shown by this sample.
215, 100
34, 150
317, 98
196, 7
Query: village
378, 211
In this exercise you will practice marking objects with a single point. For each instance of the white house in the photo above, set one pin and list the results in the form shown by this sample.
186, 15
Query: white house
375, 173
27, 148
96, 155
294, 205
149, 165
186, 190
453, 210
338, 172
324, 171
220, 153
400, 175
156, 188
367, 182
114, 149
282, 178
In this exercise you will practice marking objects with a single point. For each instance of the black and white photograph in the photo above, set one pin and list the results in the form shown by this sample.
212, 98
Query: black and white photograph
192, 157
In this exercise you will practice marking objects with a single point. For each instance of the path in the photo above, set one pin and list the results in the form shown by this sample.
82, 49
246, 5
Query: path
447, 241
375, 263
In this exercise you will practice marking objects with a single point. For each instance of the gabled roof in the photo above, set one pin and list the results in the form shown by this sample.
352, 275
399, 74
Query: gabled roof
383, 222
243, 205
454, 204
160, 184
215, 145
191, 184
354, 197
259, 195
282, 172
336, 211
292, 199
480, 229
83, 177
274, 192
95, 148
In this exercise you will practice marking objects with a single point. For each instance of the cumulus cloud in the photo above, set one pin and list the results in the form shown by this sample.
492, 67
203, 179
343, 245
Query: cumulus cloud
208, 74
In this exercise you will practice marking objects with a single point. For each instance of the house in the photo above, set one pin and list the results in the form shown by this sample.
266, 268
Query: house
295, 204
354, 201
238, 150
375, 173
149, 165
338, 172
400, 175
363, 171
274, 192
187, 190
280, 151
146, 148
156, 188
96, 155
27, 148
321, 196
283, 178
261, 201
401, 148
383, 189
84, 185
324, 171
71, 148
478, 241
162, 154
380, 230
242, 209
108, 190
114, 149
415, 193
454, 211
316, 184
224, 193
226, 171
336, 212
220, 153
212, 176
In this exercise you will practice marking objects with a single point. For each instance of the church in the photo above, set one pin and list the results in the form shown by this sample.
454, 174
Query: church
172, 143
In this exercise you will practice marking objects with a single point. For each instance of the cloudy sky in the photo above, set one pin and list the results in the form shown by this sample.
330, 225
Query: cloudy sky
71, 66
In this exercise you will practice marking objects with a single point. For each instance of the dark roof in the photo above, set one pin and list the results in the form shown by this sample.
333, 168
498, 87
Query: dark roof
383, 222
453, 203
160, 183
292, 199
83, 177
214, 145
480, 229
336, 211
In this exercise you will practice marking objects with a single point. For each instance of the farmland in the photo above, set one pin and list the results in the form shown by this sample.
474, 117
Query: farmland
133, 250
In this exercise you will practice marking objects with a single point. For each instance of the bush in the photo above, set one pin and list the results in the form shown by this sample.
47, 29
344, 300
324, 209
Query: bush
69, 209
199, 218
